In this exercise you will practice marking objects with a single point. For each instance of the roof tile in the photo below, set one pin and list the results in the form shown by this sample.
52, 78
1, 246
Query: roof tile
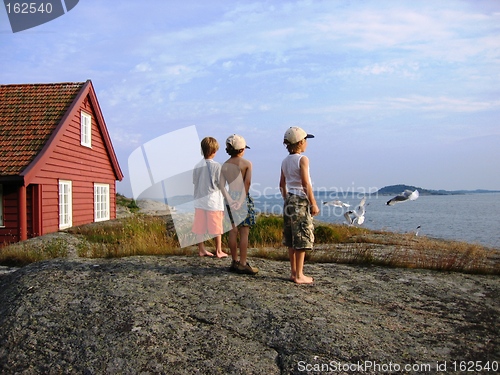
29, 113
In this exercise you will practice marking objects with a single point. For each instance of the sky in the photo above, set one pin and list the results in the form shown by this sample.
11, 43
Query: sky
395, 92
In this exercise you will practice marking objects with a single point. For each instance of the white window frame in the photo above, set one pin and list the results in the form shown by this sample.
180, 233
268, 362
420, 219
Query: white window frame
101, 202
65, 204
1, 206
86, 130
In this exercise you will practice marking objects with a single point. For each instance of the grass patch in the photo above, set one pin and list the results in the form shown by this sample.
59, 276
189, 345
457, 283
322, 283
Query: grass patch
135, 235
267, 232
408, 251
23, 253
154, 235
330, 233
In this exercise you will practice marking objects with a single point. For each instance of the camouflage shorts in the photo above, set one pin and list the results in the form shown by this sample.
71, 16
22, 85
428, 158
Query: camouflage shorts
298, 231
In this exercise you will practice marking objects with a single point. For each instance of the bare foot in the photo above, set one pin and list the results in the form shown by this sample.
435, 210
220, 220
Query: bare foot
292, 278
206, 254
304, 280
221, 254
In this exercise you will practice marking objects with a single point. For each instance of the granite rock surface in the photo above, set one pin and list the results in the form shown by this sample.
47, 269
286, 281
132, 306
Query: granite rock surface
190, 315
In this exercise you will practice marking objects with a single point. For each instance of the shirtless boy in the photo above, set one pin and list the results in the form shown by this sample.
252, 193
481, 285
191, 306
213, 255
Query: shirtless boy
236, 173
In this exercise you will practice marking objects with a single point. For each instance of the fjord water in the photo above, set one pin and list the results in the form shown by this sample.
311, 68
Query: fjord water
473, 218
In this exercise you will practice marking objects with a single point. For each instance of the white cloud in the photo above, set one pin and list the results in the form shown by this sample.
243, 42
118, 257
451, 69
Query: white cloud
142, 67
410, 103
228, 65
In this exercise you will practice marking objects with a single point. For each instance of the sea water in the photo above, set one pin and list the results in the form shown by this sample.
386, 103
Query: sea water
473, 218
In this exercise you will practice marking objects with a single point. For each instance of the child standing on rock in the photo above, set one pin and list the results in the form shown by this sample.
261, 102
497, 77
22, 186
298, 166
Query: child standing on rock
237, 174
208, 200
299, 203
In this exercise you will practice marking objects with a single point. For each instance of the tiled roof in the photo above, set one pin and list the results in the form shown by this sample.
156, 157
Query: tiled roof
29, 113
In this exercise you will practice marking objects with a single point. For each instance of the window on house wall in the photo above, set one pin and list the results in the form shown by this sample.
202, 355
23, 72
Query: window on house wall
86, 130
101, 202
1, 205
65, 205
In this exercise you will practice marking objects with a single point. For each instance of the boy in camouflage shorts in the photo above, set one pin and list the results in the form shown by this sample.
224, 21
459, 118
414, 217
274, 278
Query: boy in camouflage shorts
299, 203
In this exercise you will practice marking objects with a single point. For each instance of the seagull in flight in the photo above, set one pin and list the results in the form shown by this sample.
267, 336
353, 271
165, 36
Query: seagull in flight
406, 195
357, 215
336, 203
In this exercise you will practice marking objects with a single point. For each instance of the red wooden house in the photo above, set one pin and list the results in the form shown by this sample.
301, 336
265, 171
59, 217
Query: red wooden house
57, 165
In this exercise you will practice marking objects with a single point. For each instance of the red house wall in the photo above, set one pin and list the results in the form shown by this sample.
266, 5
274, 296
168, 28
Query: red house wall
10, 231
81, 165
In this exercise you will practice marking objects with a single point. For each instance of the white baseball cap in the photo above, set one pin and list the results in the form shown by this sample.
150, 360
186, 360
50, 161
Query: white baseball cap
236, 141
295, 134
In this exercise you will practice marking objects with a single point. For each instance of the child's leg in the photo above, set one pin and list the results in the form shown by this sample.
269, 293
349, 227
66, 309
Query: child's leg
232, 242
293, 265
244, 232
300, 278
200, 228
216, 228
202, 252
218, 247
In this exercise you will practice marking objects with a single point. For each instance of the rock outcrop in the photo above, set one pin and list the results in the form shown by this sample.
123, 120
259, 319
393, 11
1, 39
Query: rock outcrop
189, 315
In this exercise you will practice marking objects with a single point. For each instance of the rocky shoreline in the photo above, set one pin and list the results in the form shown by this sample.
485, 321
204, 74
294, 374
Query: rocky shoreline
189, 315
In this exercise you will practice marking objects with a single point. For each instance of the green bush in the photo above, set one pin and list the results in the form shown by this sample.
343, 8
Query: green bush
325, 234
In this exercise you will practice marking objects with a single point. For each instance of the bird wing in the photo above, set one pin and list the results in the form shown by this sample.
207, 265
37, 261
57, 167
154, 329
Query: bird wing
336, 203
414, 195
359, 211
396, 199
331, 203
348, 217
406, 193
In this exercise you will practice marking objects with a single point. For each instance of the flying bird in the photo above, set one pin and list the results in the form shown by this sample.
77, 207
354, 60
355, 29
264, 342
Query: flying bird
407, 195
336, 203
357, 215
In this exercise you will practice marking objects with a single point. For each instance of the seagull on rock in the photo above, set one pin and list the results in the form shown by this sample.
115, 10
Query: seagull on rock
357, 215
337, 203
406, 195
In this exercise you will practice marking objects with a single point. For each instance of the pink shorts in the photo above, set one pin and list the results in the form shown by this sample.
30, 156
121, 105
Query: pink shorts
207, 221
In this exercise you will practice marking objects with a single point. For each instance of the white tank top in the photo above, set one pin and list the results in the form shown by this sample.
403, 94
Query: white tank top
291, 169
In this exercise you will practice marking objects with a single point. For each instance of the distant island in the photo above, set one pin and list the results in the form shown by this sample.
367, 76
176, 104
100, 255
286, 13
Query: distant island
398, 189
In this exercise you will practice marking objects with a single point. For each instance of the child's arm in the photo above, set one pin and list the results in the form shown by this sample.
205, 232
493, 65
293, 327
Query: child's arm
306, 184
283, 185
248, 177
247, 181
222, 186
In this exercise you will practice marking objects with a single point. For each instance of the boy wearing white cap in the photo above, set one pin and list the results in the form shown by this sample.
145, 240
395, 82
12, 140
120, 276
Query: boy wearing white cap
299, 203
237, 174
